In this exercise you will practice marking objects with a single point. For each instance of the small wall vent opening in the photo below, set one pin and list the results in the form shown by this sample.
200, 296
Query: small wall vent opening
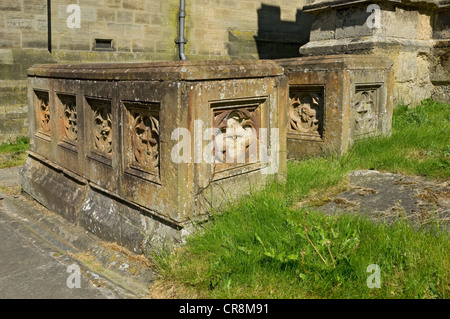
104, 44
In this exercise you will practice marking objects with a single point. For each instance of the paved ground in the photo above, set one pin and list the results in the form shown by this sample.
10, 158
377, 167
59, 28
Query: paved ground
40, 253
9, 177
31, 269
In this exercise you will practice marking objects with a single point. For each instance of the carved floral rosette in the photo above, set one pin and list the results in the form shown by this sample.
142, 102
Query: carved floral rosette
237, 137
43, 112
306, 114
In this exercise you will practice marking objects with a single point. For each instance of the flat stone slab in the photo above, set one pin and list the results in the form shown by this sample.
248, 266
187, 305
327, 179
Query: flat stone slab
387, 197
160, 71
9, 177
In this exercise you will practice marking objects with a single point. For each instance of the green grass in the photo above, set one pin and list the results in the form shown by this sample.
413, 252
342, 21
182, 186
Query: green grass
267, 247
22, 144
420, 143
14, 154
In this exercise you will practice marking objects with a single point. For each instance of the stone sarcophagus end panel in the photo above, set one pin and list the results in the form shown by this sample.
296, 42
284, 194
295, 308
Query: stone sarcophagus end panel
364, 115
146, 148
336, 100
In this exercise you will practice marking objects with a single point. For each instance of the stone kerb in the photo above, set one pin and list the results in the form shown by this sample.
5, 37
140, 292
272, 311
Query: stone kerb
336, 100
125, 149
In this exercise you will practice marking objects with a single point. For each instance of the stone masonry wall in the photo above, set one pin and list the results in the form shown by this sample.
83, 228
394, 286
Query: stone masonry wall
246, 28
20, 21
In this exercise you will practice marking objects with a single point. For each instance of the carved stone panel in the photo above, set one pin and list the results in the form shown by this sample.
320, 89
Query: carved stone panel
68, 118
142, 139
364, 111
306, 112
100, 126
236, 139
43, 112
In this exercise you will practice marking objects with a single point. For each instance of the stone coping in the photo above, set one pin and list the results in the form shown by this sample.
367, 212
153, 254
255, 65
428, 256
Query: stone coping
340, 61
350, 45
160, 71
320, 5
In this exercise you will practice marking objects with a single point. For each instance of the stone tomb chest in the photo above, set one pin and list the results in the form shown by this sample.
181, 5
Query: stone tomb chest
123, 149
335, 100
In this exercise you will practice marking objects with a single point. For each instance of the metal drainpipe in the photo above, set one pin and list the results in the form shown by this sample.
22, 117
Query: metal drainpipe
181, 38
49, 25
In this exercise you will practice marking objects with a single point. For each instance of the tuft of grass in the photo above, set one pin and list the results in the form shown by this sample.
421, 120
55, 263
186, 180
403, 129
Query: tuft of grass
14, 154
265, 246
22, 144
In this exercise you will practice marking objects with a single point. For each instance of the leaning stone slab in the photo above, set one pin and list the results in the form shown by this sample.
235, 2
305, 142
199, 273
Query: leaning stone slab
336, 100
124, 149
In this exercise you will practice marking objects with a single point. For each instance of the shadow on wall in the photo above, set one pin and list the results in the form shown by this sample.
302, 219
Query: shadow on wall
277, 39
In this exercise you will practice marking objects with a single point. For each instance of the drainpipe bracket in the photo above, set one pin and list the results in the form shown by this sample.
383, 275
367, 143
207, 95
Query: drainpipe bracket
178, 41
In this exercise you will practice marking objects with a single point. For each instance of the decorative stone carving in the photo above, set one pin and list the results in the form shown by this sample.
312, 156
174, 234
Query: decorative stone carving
364, 112
306, 113
43, 112
143, 131
101, 126
237, 137
69, 117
